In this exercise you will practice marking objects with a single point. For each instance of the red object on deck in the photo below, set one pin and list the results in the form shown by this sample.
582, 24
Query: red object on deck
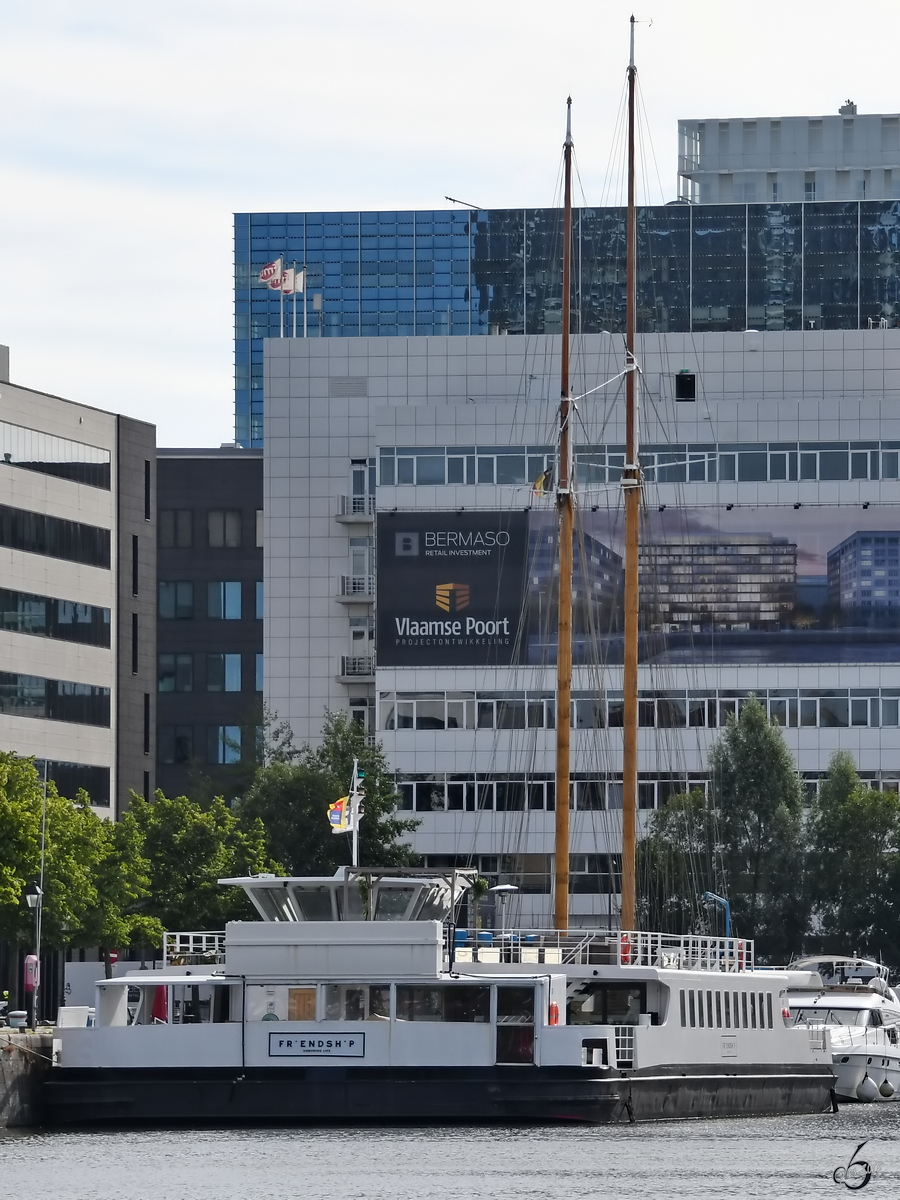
160, 1009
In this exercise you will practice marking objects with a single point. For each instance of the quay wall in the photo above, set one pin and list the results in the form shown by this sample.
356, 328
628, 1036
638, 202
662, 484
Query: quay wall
24, 1061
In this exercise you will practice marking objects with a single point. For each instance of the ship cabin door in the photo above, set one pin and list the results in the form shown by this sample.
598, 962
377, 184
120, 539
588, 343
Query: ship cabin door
515, 1024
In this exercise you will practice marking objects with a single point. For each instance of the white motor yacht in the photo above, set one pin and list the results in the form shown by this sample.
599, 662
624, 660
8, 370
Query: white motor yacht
849, 1007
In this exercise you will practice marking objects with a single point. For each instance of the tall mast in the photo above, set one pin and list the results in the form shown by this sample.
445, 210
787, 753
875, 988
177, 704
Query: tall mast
631, 487
566, 511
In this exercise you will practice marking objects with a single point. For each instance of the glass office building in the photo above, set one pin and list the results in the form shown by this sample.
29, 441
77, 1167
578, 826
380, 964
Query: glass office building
701, 268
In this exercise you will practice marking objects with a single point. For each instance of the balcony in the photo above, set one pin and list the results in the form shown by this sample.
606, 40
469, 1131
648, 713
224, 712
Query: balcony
357, 589
357, 667
356, 510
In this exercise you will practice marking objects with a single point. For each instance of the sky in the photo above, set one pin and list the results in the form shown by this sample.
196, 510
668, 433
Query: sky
131, 133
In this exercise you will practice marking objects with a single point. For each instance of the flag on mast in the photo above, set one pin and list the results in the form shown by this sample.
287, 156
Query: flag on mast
289, 281
272, 273
340, 817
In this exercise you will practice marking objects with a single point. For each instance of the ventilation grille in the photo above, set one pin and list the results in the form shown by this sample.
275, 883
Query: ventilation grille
348, 386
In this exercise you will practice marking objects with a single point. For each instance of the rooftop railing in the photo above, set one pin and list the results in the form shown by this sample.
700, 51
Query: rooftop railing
580, 947
193, 949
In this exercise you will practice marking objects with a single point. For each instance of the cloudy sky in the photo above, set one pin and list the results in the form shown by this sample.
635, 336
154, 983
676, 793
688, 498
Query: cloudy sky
131, 132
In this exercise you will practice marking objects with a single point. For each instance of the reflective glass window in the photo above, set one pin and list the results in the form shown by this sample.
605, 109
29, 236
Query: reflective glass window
51, 455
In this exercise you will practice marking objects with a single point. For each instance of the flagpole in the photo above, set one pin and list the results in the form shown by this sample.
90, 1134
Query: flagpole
304, 298
281, 307
295, 298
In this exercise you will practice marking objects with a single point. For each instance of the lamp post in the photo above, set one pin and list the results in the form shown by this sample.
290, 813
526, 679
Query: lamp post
34, 898
503, 891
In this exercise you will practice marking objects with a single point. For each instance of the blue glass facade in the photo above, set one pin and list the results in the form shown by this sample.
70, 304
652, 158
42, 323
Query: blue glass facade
701, 268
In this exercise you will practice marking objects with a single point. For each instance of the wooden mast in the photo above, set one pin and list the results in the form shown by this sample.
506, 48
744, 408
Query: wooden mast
631, 487
566, 513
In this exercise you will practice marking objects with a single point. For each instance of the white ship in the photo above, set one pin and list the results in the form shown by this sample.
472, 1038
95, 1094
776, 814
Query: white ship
356, 998
853, 1017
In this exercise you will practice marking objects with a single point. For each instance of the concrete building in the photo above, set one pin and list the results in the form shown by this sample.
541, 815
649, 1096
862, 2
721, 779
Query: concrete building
209, 632
785, 160
395, 466
77, 593
795, 264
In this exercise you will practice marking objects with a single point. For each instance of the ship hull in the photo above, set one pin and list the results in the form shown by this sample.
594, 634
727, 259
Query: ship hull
504, 1095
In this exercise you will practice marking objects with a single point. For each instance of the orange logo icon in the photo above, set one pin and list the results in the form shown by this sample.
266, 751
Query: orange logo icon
452, 597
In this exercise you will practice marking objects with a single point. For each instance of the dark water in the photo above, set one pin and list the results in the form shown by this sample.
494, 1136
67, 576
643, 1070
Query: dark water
791, 1158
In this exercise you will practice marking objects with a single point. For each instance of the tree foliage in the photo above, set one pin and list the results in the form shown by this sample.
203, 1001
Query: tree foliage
95, 876
677, 862
758, 797
188, 848
291, 794
854, 837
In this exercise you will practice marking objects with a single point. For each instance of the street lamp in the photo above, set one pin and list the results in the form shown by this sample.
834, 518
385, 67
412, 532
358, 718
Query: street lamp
503, 891
34, 898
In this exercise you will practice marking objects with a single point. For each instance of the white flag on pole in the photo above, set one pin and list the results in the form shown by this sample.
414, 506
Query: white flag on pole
300, 281
288, 282
271, 274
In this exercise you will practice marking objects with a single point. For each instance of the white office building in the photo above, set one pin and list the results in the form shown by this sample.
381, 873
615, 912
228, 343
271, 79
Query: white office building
77, 593
783, 160
395, 468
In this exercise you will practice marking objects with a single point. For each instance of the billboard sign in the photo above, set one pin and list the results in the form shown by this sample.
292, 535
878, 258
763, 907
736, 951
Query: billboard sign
450, 588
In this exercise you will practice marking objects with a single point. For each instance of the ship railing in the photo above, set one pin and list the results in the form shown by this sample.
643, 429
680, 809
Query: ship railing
580, 947
844, 1037
195, 948
690, 952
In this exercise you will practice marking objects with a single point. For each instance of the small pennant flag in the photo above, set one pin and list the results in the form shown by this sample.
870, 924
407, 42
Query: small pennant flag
543, 483
271, 274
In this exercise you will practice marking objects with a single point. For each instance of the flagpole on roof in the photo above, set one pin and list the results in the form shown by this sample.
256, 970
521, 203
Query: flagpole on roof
281, 304
304, 298
294, 334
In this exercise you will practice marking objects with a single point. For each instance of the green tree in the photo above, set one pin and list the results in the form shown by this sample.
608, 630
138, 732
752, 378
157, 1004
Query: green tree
759, 804
677, 861
94, 876
290, 796
187, 850
854, 834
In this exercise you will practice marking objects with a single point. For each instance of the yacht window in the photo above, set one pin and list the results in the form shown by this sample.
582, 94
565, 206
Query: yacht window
691, 1008
700, 1021
603, 1004
769, 1009
744, 1009
314, 906
709, 1012
681, 1002
830, 1016
736, 1011
753, 1010
457, 1004
727, 1010
515, 1005
357, 1002
391, 904
718, 1010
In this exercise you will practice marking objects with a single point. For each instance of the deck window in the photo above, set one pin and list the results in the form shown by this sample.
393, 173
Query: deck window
769, 1009
718, 1010
692, 1008
681, 1002
455, 1004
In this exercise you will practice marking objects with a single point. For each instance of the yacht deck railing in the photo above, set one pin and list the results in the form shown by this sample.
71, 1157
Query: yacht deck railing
579, 947
194, 948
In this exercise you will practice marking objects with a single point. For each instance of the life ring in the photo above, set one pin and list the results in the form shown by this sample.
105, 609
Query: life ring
626, 949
